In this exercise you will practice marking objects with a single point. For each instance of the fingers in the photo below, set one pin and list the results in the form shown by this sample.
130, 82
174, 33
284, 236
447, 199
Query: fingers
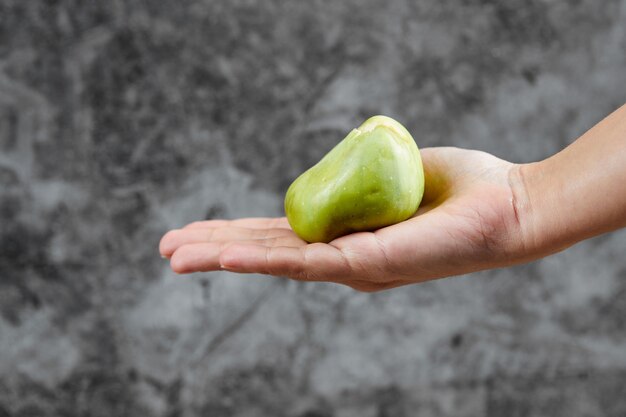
251, 223
354, 260
314, 262
281, 256
279, 252
202, 257
177, 238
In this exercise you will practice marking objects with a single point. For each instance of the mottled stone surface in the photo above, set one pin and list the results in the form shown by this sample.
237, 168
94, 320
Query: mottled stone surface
120, 120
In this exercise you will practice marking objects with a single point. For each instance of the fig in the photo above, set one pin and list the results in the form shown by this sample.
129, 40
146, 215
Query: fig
371, 179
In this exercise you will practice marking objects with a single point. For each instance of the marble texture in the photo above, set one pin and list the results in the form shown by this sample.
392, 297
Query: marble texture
120, 120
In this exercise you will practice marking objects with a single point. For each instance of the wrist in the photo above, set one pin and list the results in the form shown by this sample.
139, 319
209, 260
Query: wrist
575, 194
538, 206
524, 235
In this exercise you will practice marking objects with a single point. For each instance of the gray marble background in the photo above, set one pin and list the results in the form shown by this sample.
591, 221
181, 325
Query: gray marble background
120, 120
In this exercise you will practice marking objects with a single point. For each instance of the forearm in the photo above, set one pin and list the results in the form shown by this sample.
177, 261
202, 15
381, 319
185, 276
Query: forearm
579, 192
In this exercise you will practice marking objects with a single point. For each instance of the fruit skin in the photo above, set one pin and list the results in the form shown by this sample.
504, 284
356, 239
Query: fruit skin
371, 179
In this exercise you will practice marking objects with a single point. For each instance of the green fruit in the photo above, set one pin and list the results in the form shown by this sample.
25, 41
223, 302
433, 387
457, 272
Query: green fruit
371, 179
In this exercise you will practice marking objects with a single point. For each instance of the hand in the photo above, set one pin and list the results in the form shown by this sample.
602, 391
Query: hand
467, 222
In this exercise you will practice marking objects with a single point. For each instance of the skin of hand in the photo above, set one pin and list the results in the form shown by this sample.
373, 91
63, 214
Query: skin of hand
579, 192
478, 212
466, 222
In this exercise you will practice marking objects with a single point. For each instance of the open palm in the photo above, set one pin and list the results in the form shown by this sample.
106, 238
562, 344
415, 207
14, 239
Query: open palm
466, 222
